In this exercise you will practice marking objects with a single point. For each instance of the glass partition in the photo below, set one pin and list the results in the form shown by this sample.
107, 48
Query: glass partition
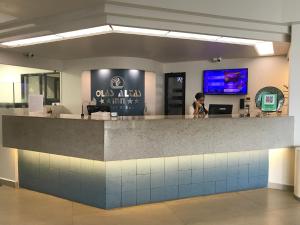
13, 94
46, 84
52, 84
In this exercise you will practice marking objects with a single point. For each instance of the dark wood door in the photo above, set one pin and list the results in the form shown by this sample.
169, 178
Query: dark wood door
175, 93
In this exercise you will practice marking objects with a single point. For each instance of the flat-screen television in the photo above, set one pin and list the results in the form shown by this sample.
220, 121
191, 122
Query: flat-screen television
225, 82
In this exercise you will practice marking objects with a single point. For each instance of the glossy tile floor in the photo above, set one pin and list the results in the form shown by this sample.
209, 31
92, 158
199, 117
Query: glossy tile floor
264, 206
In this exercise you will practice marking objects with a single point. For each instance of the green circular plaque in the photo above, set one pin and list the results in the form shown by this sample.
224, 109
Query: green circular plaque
268, 90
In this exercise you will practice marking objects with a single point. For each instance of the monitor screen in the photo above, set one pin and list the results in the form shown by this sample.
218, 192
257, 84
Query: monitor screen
216, 109
225, 82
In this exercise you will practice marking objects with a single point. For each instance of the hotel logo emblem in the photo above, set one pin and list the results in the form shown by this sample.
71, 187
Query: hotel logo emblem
117, 82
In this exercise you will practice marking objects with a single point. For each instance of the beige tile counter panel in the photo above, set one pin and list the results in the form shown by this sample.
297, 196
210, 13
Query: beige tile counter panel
141, 138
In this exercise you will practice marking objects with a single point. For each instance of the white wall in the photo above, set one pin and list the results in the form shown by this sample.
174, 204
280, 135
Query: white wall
263, 72
281, 166
154, 92
71, 90
18, 59
294, 107
8, 76
294, 90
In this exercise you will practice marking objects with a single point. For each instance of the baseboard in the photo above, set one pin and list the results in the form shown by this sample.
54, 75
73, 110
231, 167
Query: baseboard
296, 197
9, 183
282, 187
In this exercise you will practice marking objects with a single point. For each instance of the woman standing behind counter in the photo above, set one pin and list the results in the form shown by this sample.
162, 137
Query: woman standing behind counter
198, 105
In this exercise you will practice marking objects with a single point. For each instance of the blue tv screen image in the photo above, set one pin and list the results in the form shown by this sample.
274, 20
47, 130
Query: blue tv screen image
225, 82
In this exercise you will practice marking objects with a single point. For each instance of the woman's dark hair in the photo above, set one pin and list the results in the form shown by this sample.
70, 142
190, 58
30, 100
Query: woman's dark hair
199, 95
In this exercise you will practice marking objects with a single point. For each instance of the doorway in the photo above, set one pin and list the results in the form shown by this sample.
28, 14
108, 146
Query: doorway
175, 94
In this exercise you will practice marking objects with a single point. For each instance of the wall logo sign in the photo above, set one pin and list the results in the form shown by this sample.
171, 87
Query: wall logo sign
179, 80
121, 89
117, 82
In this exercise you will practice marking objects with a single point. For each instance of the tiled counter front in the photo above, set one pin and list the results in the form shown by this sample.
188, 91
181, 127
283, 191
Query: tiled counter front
79, 180
132, 182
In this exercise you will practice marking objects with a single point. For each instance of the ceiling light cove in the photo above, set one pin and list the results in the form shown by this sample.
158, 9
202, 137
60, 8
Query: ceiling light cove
238, 41
139, 31
263, 48
32, 41
191, 36
58, 37
86, 32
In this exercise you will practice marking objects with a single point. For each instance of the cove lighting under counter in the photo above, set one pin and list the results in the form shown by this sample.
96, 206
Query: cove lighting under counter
136, 160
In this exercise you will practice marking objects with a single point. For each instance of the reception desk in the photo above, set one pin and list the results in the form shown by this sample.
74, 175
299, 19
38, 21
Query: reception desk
136, 160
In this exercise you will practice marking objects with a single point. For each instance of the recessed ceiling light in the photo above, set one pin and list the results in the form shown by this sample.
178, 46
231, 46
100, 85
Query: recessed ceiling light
192, 36
141, 31
265, 48
86, 32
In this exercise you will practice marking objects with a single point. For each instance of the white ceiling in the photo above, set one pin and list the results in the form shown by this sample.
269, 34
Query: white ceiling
6, 18
24, 17
156, 48
28, 9
27, 18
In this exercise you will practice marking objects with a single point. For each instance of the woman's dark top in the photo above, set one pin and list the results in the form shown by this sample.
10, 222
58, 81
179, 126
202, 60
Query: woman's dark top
201, 110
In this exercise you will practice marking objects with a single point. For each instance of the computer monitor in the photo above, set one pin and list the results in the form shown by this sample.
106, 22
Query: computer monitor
97, 108
218, 109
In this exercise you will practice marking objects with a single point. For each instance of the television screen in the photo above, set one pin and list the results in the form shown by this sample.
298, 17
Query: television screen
225, 82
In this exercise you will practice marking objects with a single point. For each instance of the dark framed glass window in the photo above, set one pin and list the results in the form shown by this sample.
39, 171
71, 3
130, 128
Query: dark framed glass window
46, 84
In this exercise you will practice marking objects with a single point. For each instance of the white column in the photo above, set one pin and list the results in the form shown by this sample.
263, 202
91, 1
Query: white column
294, 99
297, 173
294, 81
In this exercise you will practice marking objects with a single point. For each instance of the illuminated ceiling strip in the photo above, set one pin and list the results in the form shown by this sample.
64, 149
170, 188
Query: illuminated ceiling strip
58, 37
140, 31
190, 36
32, 41
86, 32
263, 48
26, 36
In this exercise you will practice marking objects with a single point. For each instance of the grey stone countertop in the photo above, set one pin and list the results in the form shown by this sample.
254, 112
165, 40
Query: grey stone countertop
147, 136
151, 117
